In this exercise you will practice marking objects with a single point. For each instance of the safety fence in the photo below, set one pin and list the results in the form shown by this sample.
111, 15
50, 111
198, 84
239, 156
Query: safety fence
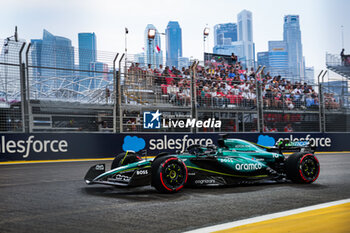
45, 88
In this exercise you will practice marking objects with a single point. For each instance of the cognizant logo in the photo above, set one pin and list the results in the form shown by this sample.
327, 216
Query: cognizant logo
37, 146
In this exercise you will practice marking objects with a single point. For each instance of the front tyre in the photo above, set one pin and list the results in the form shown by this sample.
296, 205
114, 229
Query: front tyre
169, 174
302, 168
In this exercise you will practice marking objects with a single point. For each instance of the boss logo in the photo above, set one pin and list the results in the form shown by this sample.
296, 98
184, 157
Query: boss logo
99, 167
142, 172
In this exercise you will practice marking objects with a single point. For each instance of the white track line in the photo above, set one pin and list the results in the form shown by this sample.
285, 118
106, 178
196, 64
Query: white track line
229, 225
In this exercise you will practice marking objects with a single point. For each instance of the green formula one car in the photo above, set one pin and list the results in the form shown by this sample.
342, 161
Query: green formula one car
232, 161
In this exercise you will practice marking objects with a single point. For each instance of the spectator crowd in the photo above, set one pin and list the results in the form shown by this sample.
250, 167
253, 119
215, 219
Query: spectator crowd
230, 86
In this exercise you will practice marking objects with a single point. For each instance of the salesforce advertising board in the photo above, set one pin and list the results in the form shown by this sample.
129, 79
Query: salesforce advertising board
46, 146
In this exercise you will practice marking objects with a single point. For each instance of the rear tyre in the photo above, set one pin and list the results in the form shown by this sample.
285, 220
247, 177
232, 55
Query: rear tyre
169, 174
123, 159
302, 168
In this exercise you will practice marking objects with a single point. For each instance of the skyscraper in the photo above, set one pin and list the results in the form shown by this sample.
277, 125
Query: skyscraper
36, 45
245, 35
87, 51
225, 34
278, 58
309, 75
236, 38
87, 57
173, 43
52, 51
263, 60
153, 49
100, 79
292, 36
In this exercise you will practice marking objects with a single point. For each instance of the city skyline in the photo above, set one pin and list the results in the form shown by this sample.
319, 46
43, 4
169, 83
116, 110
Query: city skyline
266, 26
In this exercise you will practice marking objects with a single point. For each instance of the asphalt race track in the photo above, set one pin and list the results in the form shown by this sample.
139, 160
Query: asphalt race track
52, 197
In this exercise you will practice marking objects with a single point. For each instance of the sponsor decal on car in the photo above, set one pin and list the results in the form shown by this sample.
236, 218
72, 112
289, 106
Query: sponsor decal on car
227, 160
205, 181
248, 166
99, 167
120, 177
142, 172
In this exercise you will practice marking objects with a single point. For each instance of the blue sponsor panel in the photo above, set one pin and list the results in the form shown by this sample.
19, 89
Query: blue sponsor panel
51, 146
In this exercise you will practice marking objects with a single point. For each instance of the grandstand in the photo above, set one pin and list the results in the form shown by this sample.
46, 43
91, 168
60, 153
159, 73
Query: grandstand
54, 98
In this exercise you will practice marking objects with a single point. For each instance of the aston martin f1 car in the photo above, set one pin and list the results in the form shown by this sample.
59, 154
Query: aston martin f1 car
232, 161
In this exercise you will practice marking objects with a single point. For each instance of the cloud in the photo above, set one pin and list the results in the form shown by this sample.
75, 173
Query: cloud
133, 143
265, 140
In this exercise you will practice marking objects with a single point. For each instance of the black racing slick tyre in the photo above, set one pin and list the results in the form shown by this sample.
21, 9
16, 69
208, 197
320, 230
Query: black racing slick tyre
169, 174
124, 159
302, 168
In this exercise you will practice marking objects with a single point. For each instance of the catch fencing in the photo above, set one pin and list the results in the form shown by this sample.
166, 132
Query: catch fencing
46, 88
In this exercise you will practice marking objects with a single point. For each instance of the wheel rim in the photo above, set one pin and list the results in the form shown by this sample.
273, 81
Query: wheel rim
173, 174
309, 168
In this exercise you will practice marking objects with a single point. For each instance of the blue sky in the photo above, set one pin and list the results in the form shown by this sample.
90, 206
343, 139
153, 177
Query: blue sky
321, 22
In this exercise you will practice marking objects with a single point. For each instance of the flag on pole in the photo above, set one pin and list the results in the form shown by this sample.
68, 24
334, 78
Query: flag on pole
158, 49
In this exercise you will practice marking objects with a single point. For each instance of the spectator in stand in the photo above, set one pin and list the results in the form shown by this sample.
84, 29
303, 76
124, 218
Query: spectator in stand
265, 129
235, 90
166, 71
222, 100
161, 69
330, 101
274, 129
107, 94
149, 75
214, 97
288, 128
289, 102
334, 102
172, 91
252, 97
342, 56
233, 59
309, 101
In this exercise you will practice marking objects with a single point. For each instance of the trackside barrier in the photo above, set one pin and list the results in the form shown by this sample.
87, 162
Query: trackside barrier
46, 146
